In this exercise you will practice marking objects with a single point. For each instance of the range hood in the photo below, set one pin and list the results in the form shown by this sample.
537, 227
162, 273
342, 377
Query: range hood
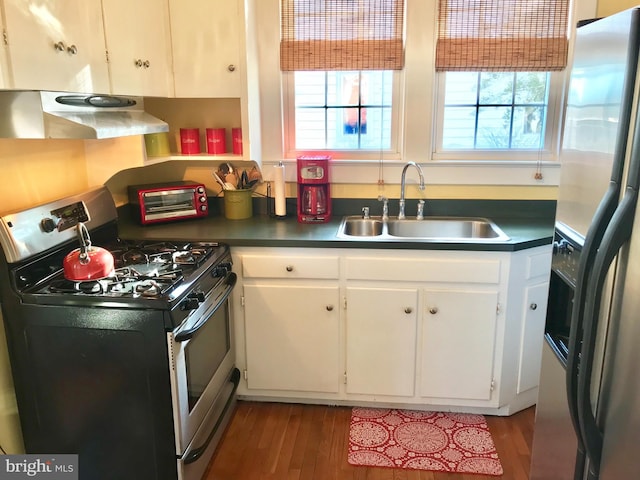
40, 114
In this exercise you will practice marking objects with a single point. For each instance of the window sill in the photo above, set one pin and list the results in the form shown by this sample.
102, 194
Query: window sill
438, 172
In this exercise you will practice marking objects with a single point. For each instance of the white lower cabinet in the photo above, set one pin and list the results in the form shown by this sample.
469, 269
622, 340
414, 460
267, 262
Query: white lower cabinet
292, 337
458, 343
381, 340
453, 330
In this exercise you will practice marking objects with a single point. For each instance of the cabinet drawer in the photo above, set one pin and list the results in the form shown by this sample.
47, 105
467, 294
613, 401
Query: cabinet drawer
263, 266
538, 265
423, 270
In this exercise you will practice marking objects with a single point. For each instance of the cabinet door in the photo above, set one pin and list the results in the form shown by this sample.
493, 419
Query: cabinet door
381, 341
57, 45
534, 317
206, 39
292, 337
139, 45
458, 339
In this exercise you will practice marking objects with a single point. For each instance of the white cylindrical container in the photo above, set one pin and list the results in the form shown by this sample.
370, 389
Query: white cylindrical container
278, 189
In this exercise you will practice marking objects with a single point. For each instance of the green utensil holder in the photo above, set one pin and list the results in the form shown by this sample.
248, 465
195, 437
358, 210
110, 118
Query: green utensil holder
238, 204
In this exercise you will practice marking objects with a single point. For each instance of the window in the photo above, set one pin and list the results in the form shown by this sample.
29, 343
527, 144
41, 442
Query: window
495, 110
494, 114
342, 110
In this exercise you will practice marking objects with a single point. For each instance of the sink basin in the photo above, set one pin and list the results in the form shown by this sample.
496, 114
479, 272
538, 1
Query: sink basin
445, 227
361, 227
436, 229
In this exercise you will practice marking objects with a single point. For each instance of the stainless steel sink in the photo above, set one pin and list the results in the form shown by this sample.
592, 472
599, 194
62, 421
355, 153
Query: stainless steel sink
436, 229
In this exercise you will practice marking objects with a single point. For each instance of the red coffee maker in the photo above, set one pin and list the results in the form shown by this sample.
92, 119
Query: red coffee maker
314, 194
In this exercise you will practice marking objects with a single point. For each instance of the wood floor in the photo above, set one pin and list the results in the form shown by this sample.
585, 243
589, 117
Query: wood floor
269, 441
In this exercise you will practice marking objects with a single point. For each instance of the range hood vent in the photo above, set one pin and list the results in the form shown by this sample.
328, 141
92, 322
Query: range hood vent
40, 114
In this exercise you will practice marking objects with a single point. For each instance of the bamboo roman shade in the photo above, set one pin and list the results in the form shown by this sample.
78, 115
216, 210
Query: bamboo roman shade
502, 35
341, 35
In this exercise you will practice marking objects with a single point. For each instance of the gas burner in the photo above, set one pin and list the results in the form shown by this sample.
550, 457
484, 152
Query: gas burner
70, 286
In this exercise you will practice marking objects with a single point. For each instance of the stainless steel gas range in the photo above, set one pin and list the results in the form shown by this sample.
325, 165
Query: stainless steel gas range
134, 372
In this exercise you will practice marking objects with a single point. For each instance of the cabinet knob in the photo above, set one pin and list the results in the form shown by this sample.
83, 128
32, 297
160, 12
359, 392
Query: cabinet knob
72, 49
289, 268
231, 68
408, 310
146, 64
59, 46
138, 62
329, 308
533, 306
433, 310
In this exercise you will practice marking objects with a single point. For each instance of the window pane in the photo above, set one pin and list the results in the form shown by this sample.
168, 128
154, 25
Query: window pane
493, 127
310, 88
531, 87
311, 131
496, 88
378, 124
459, 126
462, 88
527, 127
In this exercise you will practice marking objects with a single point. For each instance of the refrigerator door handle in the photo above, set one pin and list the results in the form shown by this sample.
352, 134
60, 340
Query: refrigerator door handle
601, 219
617, 234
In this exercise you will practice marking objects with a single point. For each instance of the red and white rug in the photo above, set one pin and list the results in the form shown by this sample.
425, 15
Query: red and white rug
444, 442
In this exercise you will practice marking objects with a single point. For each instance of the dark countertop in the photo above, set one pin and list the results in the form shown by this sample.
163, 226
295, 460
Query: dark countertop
527, 223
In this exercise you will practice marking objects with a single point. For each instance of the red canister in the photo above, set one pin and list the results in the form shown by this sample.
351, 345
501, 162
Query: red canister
216, 141
190, 141
236, 137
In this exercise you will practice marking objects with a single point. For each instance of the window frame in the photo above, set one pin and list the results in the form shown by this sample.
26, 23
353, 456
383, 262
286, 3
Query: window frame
397, 115
552, 135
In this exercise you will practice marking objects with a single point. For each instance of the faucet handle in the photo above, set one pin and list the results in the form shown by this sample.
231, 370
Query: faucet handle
365, 212
420, 215
385, 206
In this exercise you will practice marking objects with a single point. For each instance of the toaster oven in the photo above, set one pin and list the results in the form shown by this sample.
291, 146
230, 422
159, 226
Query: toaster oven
165, 202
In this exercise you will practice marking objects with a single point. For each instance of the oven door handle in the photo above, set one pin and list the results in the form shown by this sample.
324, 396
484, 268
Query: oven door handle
196, 453
185, 335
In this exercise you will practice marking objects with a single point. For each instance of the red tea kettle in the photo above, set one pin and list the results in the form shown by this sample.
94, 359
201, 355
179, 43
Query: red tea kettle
87, 262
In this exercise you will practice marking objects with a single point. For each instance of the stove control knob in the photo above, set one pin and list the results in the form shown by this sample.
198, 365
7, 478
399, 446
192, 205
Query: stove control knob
48, 225
198, 295
221, 270
203, 208
189, 304
202, 199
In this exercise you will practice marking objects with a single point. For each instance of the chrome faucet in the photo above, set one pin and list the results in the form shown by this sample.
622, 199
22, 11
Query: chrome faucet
402, 185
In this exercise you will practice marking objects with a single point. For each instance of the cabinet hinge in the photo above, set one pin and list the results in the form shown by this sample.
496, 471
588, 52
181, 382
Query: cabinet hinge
5, 37
498, 309
493, 384
106, 55
245, 374
344, 303
344, 378
242, 301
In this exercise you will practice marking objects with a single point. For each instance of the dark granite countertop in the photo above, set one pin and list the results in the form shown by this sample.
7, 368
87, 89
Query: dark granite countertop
527, 223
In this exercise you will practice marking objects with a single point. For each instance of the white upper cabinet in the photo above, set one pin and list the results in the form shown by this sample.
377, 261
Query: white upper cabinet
138, 41
56, 45
207, 43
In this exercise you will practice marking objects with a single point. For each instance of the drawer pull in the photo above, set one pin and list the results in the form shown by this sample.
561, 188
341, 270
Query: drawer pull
329, 308
433, 310
289, 268
533, 306
408, 310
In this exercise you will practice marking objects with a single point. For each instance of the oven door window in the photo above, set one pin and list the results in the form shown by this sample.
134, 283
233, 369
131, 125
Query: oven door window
175, 200
205, 352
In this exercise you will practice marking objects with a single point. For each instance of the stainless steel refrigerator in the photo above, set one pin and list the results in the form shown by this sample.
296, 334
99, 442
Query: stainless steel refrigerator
588, 412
